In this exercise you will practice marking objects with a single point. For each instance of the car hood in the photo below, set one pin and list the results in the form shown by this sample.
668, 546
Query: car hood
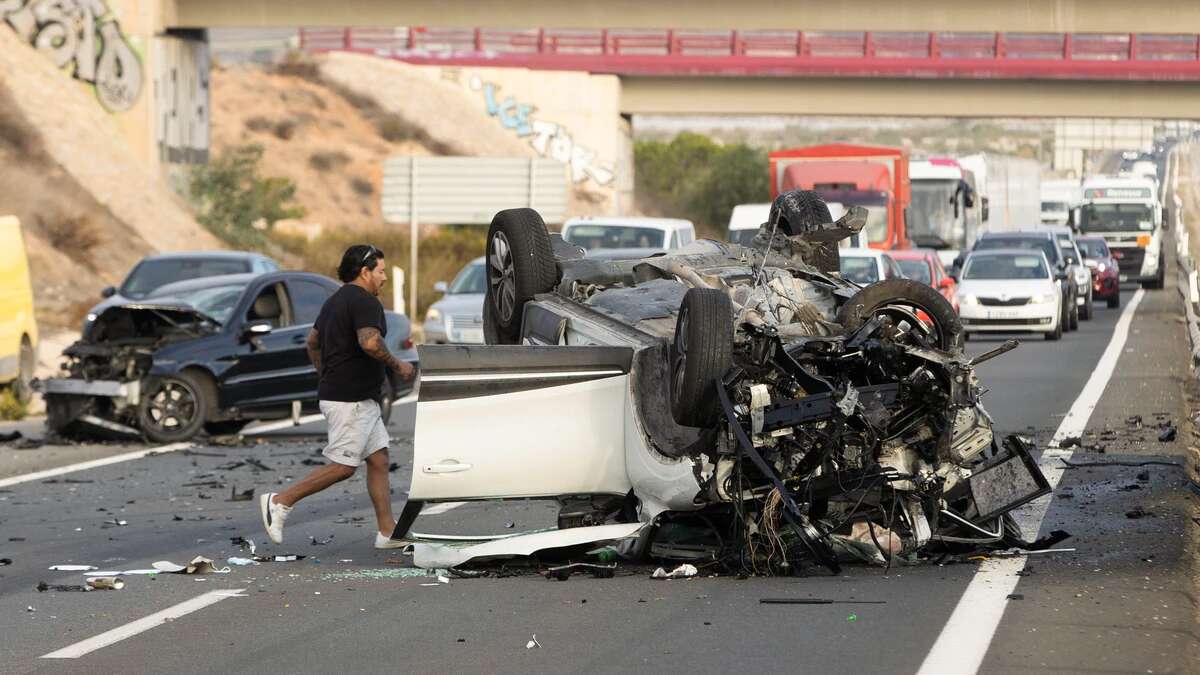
1013, 288
158, 319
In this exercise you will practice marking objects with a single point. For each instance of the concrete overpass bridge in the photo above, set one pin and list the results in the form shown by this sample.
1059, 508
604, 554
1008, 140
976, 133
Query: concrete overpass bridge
951, 73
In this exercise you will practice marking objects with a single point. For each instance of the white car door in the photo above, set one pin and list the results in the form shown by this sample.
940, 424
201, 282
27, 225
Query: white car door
520, 421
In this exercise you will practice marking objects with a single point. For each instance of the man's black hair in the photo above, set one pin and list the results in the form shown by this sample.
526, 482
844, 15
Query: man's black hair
355, 258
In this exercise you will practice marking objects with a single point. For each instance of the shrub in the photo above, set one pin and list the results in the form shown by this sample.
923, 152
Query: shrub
324, 161
74, 235
231, 197
695, 178
11, 408
362, 186
258, 123
394, 129
285, 129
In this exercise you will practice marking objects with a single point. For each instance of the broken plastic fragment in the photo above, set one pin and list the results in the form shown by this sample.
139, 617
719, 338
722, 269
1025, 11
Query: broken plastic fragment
105, 583
683, 571
533, 644
72, 568
198, 565
241, 562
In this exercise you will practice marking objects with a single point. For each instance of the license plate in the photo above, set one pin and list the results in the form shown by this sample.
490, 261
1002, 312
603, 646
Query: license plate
470, 336
1002, 314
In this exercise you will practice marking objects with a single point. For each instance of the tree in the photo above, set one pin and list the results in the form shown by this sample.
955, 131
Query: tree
231, 197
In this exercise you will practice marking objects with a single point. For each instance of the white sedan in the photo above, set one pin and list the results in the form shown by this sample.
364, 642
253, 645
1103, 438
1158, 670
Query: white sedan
865, 266
1007, 291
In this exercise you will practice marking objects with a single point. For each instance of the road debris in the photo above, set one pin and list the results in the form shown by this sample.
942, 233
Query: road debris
683, 571
1071, 442
11, 436
107, 583
198, 565
42, 587
1138, 513
5, 561
564, 572
1168, 433
289, 557
244, 544
113, 522
243, 496
72, 568
533, 644
817, 601
241, 562
313, 541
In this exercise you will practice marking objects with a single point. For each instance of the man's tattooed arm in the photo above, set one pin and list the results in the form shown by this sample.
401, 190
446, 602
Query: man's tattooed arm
313, 346
372, 343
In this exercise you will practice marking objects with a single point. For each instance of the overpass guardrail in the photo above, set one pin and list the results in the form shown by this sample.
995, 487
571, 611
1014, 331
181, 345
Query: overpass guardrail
983, 55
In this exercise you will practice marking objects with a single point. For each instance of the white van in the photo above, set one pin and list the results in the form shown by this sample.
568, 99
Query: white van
1126, 212
744, 221
630, 238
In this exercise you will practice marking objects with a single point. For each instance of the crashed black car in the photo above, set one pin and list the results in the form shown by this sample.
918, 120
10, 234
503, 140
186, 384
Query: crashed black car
205, 354
744, 403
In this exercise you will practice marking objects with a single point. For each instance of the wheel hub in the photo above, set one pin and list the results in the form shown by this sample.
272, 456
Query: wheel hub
502, 277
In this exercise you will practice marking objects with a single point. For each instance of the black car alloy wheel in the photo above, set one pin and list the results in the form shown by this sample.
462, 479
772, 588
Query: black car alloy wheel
173, 408
503, 277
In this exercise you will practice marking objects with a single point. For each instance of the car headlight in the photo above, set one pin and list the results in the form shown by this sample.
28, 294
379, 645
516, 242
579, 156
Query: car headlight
1100, 267
967, 299
91, 317
433, 315
1043, 298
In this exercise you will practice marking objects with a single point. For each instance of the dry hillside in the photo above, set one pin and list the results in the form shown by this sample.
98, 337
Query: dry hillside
329, 122
89, 207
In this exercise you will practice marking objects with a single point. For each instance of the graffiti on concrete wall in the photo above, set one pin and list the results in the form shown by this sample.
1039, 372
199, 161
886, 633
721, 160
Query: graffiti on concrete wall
549, 139
82, 34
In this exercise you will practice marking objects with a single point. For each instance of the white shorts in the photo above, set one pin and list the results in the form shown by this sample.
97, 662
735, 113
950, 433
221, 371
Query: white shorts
356, 430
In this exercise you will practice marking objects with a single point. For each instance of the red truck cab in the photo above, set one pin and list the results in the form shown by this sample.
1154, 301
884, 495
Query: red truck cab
852, 175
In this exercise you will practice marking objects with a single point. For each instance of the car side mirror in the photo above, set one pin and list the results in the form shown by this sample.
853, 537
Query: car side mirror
108, 292
256, 329
441, 287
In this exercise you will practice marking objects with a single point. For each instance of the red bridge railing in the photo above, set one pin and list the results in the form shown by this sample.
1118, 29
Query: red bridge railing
1120, 56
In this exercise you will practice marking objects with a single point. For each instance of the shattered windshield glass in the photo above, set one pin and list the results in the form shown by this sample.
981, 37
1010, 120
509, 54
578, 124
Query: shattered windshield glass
215, 302
1116, 218
593, 237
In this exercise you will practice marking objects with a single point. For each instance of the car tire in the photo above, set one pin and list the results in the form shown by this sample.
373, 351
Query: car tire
1074, 317
174, 407
700, 353
966, 336
224, 427
808, 212
859, 308
1115, 301
26, 364
520, 264
1056, 334
1086, 313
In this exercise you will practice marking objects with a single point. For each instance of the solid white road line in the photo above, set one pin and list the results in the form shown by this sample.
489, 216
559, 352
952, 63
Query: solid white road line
81, 466
965, 638
144, 624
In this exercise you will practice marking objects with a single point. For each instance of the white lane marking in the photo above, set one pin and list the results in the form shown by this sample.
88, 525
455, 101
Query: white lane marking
965, 638
440, 508
83, 466
144, 624
281, 424
484, 377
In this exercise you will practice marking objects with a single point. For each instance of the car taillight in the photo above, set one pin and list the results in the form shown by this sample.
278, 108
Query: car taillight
407, 344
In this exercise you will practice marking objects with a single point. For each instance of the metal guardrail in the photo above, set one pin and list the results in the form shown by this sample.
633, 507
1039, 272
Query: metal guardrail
1186, 271
856, 53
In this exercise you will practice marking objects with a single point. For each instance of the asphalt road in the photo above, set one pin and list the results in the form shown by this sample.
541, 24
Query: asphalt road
1123, 602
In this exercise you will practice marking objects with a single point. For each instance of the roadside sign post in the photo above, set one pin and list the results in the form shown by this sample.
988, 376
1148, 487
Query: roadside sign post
465, 191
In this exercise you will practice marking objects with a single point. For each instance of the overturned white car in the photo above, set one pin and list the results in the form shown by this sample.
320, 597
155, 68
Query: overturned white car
788, 415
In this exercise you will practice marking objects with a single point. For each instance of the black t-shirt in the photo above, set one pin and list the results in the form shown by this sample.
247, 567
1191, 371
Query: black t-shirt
347, 372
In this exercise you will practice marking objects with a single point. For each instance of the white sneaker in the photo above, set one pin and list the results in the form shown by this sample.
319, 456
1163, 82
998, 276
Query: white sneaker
273, 516
383, 541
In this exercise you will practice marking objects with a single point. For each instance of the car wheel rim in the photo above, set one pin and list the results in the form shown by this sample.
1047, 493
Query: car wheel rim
172, 407
679, 356
502, 277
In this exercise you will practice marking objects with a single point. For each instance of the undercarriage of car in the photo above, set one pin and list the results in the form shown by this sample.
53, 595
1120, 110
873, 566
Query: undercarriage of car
823, 422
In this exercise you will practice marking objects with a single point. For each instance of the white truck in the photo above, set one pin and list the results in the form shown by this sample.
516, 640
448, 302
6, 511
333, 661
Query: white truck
1059, 199
1010, 192
1127, 213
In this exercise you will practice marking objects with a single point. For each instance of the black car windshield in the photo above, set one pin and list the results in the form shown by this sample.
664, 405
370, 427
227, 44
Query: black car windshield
1116, 218
1045, 245
1005, 266
1093, 248
215, 302
151, 274
860, 269
470, 280
917, 270
593, 237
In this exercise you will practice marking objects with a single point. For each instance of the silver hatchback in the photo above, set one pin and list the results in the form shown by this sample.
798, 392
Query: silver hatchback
457, 318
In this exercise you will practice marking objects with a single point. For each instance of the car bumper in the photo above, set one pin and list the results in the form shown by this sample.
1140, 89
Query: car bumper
1106, 287
1040, 318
